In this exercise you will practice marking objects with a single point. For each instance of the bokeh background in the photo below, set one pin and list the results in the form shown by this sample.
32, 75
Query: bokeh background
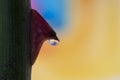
89, 32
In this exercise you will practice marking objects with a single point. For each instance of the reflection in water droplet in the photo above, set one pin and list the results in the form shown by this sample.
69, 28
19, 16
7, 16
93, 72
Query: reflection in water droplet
53, 42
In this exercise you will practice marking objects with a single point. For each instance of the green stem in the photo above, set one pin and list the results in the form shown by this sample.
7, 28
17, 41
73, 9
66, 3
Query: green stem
15, 40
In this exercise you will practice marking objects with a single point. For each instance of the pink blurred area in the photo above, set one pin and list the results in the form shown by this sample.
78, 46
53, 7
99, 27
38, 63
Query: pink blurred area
89, 47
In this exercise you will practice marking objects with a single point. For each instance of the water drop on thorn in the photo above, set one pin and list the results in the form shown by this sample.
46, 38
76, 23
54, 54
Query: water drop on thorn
53, 42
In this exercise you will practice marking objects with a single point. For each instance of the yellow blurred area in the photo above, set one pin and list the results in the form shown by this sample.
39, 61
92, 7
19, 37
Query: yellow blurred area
90, 50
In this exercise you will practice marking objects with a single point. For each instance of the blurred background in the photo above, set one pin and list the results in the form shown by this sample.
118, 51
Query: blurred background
89, 48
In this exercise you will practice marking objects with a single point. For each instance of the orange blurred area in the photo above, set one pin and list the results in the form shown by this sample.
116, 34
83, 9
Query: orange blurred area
89, 50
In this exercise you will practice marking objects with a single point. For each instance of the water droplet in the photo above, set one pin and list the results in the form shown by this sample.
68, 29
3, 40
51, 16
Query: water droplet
53, 42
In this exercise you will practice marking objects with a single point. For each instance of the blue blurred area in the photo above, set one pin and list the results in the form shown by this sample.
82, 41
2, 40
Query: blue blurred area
53, 11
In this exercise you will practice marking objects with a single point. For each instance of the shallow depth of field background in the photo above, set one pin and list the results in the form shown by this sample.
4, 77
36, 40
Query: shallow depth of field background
89, 32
